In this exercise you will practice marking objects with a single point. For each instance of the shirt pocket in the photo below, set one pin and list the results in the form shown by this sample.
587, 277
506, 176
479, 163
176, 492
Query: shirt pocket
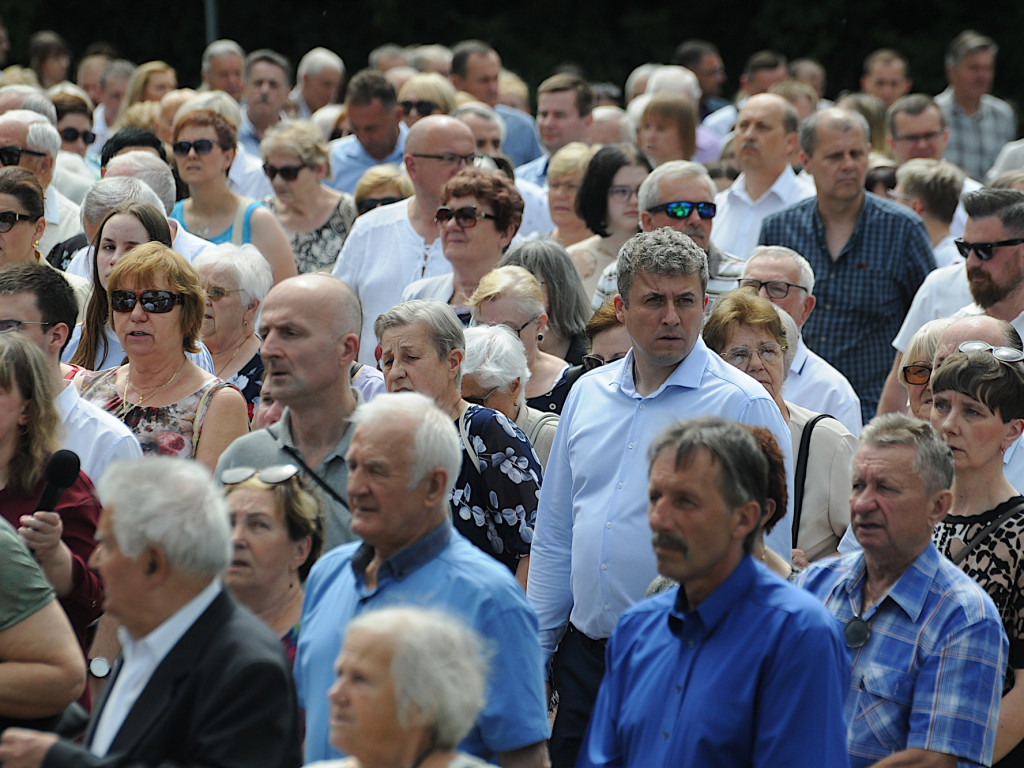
883, 707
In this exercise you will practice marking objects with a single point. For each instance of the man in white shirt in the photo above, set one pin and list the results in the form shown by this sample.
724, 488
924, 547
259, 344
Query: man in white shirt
766, 138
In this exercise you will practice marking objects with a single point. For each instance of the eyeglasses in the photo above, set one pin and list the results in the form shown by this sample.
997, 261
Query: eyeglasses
683, 209
12, 155
423, 107
369, 203
450, 158
985, 251
623, 194
288, 172
9, 324
740, 357
275, 475
776, 289
856, 632
73, 134
9, 218
482, 398
917, 374
201, 146
914, 138
466, 217
590, 362
156, 302
216, 293
474, 323
1002, 354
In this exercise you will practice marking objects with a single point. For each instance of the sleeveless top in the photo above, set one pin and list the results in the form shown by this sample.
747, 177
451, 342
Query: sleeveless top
165, 430
319, 249
178, 214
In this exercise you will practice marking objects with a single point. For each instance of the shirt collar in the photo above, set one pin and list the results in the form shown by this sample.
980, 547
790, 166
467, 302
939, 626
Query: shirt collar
800, 357
911, 589
717, 605
688, 373
161, 640
408, 560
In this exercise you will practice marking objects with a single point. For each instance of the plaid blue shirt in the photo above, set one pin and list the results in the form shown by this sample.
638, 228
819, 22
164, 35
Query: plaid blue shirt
864, 294
931, 674
975, 140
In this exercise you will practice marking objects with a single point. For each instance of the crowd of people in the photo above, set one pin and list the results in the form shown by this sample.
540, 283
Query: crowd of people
385, 420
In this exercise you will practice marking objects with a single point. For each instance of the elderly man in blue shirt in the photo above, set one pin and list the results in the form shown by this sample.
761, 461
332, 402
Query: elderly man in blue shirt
591, 558
734, 667
927, 645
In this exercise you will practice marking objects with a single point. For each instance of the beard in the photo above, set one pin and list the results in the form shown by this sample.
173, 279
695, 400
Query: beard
984, 289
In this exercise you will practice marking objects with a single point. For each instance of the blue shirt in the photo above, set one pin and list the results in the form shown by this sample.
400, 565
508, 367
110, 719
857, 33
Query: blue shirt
535, 171
864, 294
228, 235
591, 557
521, 144
441, 571
754, 676
931, 674
349, 161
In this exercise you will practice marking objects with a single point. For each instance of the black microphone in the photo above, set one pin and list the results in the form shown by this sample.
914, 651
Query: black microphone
61, 472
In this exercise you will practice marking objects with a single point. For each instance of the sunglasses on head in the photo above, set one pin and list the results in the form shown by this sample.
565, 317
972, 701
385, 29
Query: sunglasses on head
288, 172
72, 134
9, 218
12, 155
275, 475
367, 204
682, 209
156, 302
984, 251
466, 217
1002, 354
201, 146
423, 107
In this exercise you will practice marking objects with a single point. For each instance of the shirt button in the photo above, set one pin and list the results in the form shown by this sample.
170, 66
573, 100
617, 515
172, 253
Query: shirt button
604, 566
620, 486
629, 445
642, 406
607, 525
607, 607
664, 734
679, 688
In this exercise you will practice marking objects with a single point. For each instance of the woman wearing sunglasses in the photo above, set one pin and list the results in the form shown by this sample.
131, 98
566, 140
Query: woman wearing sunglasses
173, 406
425, 94
607, 201
204, 148
916, 370
979, 409
316, 218
235, 279
277, 533
74, 172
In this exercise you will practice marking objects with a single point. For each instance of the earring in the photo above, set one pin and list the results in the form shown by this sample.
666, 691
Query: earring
540, 337
36, 245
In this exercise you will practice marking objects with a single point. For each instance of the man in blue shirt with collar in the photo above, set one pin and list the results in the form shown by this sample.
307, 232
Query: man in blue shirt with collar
591, 558
403, 460
377, 127
734, 667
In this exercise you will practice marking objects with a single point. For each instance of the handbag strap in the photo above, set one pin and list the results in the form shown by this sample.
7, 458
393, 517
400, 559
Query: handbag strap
474, 458
801, 471
992, 527
315, 477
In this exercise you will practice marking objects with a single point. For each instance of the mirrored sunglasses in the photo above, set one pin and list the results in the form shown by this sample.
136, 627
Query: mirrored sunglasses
1002, 354
683, 209
156, 302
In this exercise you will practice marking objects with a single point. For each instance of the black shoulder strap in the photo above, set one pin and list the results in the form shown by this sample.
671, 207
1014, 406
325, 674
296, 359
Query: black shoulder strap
315, 477
980, 539
800, 475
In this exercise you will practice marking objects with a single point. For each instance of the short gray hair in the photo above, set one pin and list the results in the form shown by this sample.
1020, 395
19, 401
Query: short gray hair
319, 59
149, 169
781, 251
219, 48
793, 333
649, 194
109, 192
438, 667
34, 100
246, 266
496, 357
482, 111
966, 43
443, 324
843, 119
661, 252
42, 136
214, 101
671, 78
171, 504
934, 460
436, 441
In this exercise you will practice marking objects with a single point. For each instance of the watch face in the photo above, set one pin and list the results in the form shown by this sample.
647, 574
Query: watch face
99, 667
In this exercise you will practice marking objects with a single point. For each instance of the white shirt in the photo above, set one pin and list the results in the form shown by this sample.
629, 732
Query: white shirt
736, 228
381, 256
93, 434
536, 214
817, 386
943, 292
956, 228
721, 121
246, 176
438, 288
63, 220
184, 242
140, 658
946, 254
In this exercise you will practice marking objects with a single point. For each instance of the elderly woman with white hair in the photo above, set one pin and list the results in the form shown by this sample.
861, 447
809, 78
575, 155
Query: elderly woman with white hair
426, 671
236, 279
494, 375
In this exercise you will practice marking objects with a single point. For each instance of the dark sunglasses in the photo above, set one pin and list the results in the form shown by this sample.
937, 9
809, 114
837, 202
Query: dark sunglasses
275, 475
288, 172
917, 374
156, 302
12, 155
367, 204
201, 146
857, 632
985, 251
466, 217
73, 134
9, 218
682, 209
590, 362
423, 107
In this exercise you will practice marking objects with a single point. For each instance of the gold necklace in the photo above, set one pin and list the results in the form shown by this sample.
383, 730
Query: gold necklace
127, 406
218, 373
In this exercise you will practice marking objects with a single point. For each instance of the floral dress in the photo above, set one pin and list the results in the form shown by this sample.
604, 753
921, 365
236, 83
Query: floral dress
494, 503
319, 249
249, 381
166, 430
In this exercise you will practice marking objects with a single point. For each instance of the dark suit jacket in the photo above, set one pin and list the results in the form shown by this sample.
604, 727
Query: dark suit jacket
222, 697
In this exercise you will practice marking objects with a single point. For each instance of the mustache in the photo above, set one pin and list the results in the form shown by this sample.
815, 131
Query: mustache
668, 540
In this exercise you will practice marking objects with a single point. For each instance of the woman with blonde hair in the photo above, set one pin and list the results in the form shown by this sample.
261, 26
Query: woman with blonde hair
565, 172
150, 82
425, 94
382, 185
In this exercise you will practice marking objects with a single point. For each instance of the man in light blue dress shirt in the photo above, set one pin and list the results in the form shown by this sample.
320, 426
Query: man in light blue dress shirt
591, 557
